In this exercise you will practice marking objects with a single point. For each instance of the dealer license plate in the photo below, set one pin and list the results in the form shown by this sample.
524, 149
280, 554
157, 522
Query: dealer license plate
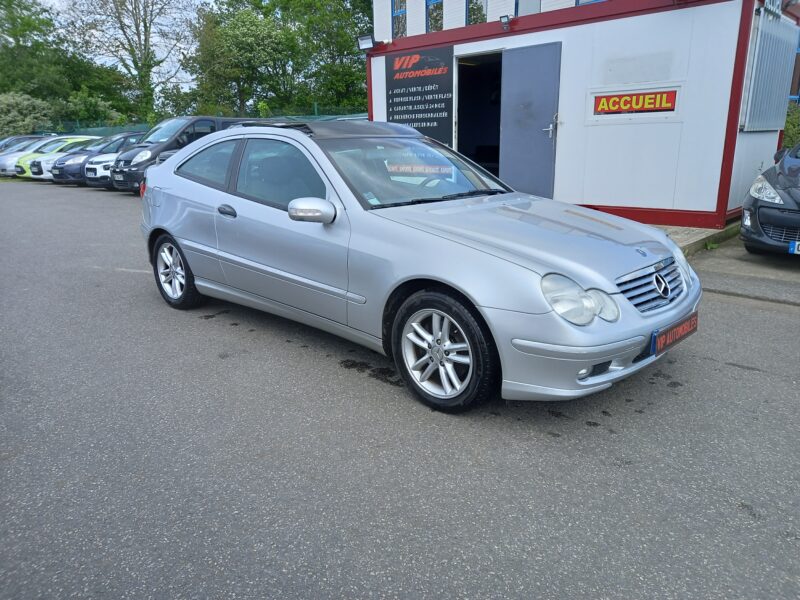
794, 247
118, 177
664, 339
55, 171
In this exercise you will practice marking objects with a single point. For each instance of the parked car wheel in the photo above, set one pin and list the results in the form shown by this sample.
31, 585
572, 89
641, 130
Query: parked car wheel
443, 352
173, 276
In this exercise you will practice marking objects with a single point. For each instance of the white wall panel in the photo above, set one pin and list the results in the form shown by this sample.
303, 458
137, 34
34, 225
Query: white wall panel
664, 160
754, 152
455, 13
378, 88
556, 4
417, 19
382, 19
498, 8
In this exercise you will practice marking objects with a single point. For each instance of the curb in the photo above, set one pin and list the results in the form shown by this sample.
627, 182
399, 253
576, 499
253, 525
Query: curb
713, 237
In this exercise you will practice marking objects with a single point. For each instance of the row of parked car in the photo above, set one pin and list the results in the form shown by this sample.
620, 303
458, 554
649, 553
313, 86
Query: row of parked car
114, 162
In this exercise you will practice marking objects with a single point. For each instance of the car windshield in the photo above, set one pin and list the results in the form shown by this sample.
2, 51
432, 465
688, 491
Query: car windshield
165, 130
20, 145
98, 145
51, 146
385, 172
74, 145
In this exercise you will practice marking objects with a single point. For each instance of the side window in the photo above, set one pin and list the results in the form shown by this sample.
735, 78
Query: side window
209, 166
275, 173
202, 128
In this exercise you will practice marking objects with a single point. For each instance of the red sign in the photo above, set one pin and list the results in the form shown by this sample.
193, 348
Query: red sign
644, 102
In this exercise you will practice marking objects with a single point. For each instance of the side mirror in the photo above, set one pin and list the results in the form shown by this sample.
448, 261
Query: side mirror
312, 210
780, 154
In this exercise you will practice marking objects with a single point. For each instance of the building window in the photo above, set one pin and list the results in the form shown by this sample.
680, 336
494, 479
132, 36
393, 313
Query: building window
435, 14
476, 11
528, 7
398, 18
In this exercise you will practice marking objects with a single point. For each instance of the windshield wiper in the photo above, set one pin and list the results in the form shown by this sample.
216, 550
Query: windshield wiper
489, 192
408, 202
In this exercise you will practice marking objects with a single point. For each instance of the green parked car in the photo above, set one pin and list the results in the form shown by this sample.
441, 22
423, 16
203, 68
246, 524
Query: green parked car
23, 165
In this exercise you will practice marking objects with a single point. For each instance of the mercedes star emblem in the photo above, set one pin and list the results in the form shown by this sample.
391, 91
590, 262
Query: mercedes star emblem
662, 287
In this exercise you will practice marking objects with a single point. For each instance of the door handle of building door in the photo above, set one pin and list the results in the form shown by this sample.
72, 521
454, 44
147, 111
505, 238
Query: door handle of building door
227, 210
550, 130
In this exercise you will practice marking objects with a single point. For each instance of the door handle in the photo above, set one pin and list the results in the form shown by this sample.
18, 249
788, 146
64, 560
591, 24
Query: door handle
227, 210
549, 130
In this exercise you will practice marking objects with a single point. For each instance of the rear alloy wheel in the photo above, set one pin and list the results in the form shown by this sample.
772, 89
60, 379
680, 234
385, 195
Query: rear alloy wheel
443, 352
173, 275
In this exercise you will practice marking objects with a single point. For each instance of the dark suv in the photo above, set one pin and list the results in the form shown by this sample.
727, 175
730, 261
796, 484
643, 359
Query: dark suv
171, 134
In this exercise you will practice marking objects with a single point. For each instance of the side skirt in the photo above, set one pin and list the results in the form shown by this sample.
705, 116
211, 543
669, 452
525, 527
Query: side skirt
223, 292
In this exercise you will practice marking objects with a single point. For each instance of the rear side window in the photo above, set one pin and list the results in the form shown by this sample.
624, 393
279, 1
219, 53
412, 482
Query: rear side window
210, 165
275, 173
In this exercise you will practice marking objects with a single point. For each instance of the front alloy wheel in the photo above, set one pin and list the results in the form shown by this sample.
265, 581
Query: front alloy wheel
444, 351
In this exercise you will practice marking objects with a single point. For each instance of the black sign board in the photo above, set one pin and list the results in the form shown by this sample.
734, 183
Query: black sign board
419, 91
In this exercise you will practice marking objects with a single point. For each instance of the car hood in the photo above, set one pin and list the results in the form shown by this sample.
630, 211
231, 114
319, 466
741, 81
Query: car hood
53, 156
11, 157
785, 178
103, 158
542, 235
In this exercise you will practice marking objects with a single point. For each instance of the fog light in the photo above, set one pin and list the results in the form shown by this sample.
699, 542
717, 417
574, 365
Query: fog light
746, 218
584, 373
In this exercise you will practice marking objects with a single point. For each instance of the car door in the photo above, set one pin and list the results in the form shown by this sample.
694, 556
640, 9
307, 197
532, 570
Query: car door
188, 206
264, 252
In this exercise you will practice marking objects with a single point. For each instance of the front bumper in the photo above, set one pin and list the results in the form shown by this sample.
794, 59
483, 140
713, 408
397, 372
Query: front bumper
127, 178
546, 370
68, 173
771, 227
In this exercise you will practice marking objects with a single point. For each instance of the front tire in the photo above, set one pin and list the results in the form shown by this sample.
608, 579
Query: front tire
444, 352
174, 278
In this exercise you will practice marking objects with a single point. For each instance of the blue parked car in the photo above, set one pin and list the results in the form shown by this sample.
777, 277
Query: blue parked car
70, 168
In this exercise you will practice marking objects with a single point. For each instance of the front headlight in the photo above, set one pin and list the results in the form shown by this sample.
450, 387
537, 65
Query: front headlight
142, 156
75, 160
762, 190
575, 304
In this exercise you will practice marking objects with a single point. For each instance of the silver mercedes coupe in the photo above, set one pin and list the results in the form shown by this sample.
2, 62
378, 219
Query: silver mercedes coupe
389, 239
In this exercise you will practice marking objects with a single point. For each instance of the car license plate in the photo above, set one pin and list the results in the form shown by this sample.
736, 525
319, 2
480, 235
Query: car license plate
794, 247
118, 177
664, 339
56, 171
91, 172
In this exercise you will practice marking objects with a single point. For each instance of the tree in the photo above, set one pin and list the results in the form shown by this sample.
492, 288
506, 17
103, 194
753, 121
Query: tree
20, 113
38, 60
141, 37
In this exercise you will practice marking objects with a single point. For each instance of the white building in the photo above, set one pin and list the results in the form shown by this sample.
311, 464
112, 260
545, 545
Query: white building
659, 110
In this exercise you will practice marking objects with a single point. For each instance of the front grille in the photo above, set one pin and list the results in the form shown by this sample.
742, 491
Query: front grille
36, 167
781, 234
640, 286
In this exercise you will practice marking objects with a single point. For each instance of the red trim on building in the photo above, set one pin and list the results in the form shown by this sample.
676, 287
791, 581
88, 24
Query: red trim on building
369, 87
664, 216
565, 17
734, 110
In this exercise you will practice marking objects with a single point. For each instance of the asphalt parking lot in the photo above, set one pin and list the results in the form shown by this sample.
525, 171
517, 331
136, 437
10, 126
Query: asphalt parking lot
222, 452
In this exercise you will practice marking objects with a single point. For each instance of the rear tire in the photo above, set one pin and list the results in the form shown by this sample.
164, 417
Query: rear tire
174, 278
444, 352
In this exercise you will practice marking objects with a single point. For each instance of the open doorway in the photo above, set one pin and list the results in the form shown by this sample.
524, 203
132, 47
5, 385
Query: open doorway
479, 85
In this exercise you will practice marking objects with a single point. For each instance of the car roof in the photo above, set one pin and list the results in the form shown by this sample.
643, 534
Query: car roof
349, 128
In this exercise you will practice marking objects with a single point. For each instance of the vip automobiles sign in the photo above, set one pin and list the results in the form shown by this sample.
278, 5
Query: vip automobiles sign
641, 102
419, 91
